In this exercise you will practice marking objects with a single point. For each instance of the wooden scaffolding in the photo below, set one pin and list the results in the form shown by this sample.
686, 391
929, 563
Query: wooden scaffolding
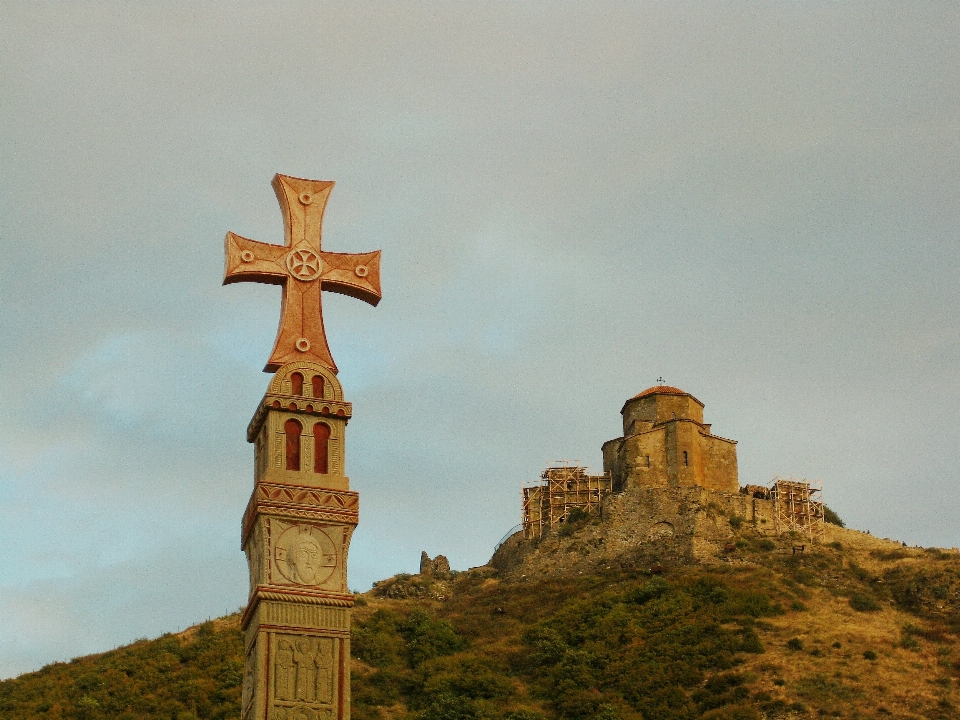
797, 506
562, 488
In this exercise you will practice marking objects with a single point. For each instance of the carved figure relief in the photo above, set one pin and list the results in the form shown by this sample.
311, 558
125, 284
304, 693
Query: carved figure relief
249, 681
300, 713
305, 555
303, 675
285, 673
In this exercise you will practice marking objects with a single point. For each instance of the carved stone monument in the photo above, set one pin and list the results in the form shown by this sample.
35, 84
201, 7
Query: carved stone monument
297, 526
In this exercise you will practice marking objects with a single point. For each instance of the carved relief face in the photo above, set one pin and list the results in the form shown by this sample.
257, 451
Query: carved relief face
304, 559
305, 555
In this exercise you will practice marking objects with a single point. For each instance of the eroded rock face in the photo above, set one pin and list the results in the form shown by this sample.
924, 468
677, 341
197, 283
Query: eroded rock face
643, 527
438, 568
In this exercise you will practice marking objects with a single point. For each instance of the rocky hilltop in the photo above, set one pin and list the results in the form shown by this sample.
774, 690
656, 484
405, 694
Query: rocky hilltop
568, 629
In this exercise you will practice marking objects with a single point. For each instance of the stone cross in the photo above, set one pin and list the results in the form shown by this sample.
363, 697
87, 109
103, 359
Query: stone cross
302, 269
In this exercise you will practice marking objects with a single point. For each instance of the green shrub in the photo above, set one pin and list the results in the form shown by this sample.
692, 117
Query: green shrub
653, 589
831, 517
471, 677
733, 712
452, 707
909, 643
736, 521
524, 714
377, 640
577, 515
795, 644
427, 638
645, 649
896, 554
869, 655
173, 676
862, 602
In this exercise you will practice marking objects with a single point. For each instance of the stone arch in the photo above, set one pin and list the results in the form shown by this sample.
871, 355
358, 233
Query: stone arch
661, 531
281, 384
296, 384
292, 429
321, 448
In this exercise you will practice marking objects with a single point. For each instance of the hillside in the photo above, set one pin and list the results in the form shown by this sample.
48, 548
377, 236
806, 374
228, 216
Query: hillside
853, 628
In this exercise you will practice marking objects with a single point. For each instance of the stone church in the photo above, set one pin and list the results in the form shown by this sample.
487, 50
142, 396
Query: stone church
669, 492
665, 443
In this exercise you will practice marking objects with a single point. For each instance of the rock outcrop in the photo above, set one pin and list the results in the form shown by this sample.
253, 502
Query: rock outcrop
438, 568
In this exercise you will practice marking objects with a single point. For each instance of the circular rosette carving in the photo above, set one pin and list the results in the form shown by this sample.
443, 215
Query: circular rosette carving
305, 555
304, 264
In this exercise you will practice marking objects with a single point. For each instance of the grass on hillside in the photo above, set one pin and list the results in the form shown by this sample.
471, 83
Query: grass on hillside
196, 674
851, 629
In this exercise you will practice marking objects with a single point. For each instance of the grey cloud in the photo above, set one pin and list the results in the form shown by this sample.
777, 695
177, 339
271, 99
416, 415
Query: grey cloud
756, 202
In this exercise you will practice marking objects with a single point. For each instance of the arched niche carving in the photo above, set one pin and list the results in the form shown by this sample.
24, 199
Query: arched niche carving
292, 430
321, 447
296, 384
282, 383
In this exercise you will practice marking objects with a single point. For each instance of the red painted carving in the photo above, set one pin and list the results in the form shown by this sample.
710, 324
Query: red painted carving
303, 269
321, 437
292, 430
296, 384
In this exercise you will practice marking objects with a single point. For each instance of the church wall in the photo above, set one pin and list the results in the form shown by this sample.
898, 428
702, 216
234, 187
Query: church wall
719, 464
611, 456
643, 412
684, 461
669, 429
626, 459
679, 407
658, 409
763, 515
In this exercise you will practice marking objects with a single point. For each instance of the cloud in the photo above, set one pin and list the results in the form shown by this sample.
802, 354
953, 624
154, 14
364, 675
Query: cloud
757, 203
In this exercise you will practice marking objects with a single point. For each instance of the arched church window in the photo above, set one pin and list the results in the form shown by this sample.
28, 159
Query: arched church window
296, 384
292, 429
686, 460
318, 386
321, 447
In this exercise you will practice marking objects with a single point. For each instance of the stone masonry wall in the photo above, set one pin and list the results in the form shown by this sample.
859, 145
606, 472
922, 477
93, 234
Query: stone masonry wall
639, 527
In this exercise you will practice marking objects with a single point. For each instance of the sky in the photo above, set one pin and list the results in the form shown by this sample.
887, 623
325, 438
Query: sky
757, 202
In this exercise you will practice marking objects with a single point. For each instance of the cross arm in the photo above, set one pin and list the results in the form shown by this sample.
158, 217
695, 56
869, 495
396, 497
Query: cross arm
252, 261
353, 274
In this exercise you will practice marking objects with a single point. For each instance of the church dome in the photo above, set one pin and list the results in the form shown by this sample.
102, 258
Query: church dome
662, 390
659, 390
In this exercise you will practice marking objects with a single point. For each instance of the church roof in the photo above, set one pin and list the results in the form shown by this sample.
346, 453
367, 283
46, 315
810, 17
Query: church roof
663, 390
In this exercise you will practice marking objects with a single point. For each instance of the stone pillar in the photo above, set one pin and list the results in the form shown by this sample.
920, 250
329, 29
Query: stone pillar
296, 533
